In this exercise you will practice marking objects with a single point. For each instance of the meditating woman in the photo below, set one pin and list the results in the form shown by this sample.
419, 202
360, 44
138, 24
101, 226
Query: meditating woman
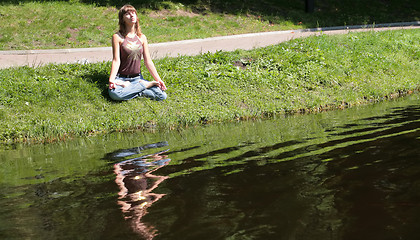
129, 45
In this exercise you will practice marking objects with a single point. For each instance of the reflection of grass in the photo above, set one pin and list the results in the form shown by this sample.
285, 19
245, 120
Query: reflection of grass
57, 24
312, 74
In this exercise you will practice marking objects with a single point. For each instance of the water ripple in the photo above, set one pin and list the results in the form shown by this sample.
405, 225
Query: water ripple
399, 122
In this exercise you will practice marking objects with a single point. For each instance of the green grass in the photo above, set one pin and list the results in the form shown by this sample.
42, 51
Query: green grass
304, 75
84, 23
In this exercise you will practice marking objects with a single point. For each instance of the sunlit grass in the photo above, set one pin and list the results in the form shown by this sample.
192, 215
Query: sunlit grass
75, 24
304, 75
49, 25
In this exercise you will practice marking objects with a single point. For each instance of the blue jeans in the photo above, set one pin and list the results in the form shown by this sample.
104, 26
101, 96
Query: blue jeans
135, 89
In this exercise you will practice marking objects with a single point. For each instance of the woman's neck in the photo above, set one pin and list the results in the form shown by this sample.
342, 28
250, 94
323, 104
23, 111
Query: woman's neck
130, 30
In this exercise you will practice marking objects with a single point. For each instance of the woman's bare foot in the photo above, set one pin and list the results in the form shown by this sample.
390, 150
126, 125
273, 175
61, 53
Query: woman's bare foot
149, 84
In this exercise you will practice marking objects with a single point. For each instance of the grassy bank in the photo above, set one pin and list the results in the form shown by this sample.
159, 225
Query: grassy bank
312, 74
90, 23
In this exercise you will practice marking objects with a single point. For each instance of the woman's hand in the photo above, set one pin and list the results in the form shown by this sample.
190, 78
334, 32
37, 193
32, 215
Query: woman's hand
162, 85
111, 85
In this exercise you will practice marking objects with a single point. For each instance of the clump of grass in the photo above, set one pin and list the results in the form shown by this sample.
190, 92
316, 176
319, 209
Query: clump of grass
304, 75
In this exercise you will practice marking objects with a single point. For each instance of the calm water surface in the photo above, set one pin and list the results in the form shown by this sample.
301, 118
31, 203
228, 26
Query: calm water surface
351, 174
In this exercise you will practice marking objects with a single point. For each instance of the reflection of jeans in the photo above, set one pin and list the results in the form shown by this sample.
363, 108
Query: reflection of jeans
135, 89
122, 153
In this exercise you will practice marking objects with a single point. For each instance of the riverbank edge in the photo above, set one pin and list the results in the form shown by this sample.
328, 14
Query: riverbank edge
146, 126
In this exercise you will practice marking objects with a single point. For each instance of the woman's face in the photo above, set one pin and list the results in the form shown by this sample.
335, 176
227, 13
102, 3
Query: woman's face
130, 17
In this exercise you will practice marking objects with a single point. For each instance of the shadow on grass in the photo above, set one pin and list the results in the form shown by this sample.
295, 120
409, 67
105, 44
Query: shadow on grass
327, 12
100, 79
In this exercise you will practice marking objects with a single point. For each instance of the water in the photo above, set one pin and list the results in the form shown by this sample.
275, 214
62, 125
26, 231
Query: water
351, 174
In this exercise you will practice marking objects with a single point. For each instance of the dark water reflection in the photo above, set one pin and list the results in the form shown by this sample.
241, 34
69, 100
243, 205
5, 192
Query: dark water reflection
352, 174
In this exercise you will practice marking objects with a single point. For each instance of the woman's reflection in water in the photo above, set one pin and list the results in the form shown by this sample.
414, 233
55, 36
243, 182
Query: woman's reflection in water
136, 181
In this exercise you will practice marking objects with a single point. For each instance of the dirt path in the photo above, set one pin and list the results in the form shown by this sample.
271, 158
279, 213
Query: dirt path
35, 58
